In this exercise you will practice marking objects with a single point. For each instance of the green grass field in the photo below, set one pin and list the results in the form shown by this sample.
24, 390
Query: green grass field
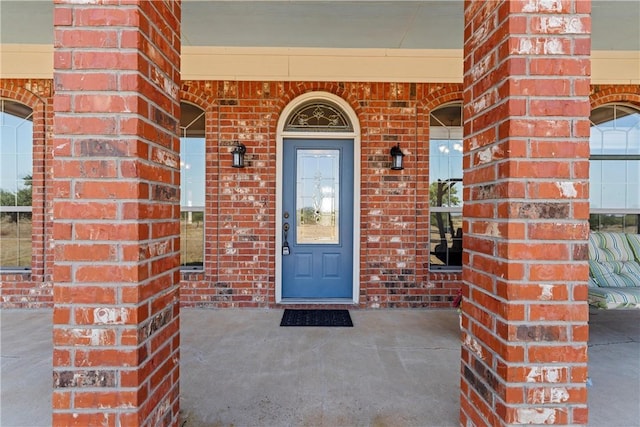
191, 242
15, 243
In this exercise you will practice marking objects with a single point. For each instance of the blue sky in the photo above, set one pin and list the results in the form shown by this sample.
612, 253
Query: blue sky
192, 170
16, 159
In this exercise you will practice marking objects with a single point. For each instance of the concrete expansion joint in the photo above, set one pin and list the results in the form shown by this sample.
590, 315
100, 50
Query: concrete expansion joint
630, 341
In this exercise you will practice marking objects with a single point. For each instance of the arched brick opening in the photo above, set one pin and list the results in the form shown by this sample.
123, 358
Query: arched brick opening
331, 92
442, 284
347, 132
605, 94
194, 285
34, 288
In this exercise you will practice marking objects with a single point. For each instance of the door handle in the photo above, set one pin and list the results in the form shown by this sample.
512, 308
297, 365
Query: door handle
285, 243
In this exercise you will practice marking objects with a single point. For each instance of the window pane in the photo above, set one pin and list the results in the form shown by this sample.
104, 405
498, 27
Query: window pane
192, 185
16, 170
445, 173
614, 184
615, 129
445, 186
615, 223
192, 173
446, 239
318, 117
317, 198
615, 166
191, 238
15, 232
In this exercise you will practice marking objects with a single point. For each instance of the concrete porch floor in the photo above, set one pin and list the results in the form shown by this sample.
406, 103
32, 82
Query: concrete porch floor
393, 368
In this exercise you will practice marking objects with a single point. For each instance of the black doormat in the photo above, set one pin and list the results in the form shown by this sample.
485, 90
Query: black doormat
293, 317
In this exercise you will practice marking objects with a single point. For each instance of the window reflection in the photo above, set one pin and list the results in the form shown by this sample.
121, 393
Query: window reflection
615, 223
192, 186
16, 172
614, 168
317, 186
445, 186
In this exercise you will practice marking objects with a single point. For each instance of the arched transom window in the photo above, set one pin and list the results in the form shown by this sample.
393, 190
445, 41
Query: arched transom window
614, 168
318, 116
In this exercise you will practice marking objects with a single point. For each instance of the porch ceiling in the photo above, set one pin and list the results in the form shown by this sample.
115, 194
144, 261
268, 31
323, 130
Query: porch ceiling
325, 24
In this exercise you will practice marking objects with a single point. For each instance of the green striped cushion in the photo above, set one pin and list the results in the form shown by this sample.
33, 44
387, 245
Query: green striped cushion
615, 273
615, 297
634, 243
608, 246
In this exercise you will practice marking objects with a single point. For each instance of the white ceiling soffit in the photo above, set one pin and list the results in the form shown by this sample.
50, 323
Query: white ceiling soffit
346, 24
325, 24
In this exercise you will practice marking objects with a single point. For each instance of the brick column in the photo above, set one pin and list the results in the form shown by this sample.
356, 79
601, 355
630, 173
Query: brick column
526, 79
116, 213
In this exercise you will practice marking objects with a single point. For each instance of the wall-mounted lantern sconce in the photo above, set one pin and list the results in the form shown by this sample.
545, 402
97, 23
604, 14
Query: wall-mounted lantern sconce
238, 156
396, 158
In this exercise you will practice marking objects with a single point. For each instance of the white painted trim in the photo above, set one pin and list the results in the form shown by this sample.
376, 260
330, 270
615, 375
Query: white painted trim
35, 61
322, 64
26, 61
355, 135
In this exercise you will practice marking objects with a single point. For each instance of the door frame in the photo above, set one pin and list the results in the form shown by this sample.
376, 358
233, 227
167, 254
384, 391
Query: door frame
281, 135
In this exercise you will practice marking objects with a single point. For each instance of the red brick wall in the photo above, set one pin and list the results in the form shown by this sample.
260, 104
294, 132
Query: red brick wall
116, 214
257, 106
605, 94
524, 353
241, 203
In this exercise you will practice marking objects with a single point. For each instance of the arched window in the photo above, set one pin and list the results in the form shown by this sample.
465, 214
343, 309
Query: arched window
16, 172
318, 116
445, 187
614, 169
192, 186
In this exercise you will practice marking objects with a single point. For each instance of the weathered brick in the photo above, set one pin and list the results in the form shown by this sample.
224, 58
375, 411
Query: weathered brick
253, 284
543, 198
84, 378
557, 354
549, 333
103, 279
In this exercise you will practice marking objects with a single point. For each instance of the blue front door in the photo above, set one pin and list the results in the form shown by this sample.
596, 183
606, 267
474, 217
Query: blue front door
317, 222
